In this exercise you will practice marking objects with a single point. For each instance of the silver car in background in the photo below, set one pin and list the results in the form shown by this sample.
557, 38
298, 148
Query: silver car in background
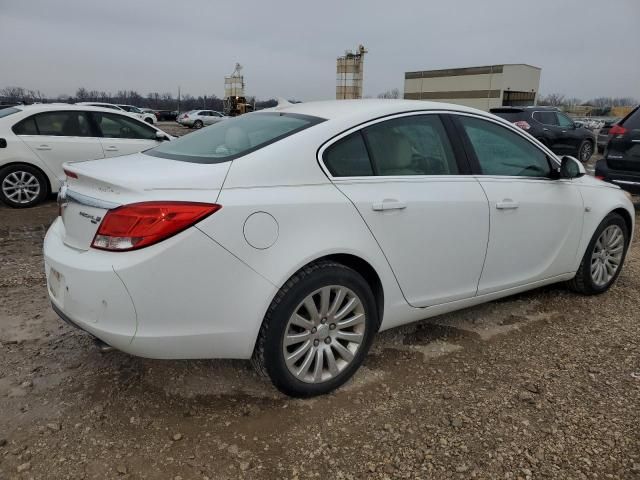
200, 118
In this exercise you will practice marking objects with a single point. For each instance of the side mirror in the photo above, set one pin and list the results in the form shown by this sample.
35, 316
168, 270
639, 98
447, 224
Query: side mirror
571, 168
161, 136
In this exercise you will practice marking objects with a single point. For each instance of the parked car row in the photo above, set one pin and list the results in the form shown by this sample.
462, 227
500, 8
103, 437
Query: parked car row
335, 220
36, 140
200, 118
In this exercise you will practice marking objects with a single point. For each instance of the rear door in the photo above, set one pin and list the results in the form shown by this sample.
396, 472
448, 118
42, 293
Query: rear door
60, 136
409, 183
122, 134
623, 150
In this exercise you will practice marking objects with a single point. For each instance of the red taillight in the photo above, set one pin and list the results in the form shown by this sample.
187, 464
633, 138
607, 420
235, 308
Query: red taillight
142, 224
618, 130
70, 174
599, 177
522, 124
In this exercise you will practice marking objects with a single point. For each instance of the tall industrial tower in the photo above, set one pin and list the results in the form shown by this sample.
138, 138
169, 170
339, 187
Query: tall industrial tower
350, 74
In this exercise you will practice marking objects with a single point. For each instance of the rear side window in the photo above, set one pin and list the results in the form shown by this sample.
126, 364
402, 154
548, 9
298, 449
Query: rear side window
26, 127
113, 125
416, 145
348, 157
548, 118
632, 121
234, 138
58, 124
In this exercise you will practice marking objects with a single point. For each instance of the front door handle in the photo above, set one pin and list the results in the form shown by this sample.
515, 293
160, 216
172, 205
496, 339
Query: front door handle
388, 204
111, 149
43, 147
507, 204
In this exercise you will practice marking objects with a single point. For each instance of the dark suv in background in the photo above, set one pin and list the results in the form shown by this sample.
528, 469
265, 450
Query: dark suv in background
553, 128
621, 162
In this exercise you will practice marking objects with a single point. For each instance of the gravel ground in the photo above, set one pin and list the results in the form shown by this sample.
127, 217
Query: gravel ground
541, 385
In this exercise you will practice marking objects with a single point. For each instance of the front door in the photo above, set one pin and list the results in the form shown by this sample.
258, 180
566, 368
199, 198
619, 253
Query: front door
536, 221
431, 222
122, 135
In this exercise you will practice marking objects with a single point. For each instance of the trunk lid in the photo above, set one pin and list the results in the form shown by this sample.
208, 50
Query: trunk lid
104, 184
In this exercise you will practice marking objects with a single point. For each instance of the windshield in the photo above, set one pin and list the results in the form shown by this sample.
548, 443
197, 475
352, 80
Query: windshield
8, 111
234, 137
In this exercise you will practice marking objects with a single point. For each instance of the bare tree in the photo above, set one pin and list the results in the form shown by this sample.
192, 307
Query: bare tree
393, 93
552, 100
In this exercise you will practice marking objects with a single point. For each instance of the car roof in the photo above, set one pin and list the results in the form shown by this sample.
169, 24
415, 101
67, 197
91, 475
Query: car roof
45, 107
366, 108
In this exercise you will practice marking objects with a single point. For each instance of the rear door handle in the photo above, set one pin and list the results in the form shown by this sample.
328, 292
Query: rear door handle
507, 204
388, 204
111, 148
43, 147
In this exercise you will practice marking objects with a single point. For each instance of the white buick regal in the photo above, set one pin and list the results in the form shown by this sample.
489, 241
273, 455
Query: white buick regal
291, 236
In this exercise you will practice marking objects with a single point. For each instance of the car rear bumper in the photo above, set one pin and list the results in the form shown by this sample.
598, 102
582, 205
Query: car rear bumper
629, 181
186, 297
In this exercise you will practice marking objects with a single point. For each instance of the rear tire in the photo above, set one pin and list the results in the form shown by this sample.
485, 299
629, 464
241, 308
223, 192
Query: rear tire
308, 352
594, 275
22, 186
585, 151
149, 121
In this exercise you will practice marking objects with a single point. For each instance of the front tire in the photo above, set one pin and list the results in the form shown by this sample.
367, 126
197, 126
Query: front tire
198, 124
585, 151
602, 262
317, 331
22, 186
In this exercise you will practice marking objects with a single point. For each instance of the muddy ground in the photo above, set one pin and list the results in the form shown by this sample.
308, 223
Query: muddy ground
542, 385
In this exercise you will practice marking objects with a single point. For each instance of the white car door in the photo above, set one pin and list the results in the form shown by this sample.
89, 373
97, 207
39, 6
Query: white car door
536, 219
432, 222
122, 134
60, 136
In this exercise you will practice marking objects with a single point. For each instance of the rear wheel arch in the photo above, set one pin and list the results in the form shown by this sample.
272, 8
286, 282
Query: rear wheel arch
31, 165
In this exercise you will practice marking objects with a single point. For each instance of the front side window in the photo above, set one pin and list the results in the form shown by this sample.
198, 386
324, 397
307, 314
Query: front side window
564, 121
416, 145
113, 125
502, 152
59, 124
233, 138
348, 157
547, 118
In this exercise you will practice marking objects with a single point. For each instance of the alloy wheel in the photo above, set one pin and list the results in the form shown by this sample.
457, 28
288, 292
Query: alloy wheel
21, 187
323, 334
585, 153
607, 255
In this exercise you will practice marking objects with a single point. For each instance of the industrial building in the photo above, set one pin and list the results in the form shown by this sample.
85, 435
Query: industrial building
350, 74
478, 87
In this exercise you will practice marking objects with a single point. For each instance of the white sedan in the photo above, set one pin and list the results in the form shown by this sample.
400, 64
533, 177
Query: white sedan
291, 236
36, 140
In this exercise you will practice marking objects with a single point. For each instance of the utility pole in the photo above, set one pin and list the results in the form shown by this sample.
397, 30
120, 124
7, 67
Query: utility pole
178, 98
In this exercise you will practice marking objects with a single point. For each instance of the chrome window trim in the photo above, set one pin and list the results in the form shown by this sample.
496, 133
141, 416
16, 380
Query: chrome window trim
497, 121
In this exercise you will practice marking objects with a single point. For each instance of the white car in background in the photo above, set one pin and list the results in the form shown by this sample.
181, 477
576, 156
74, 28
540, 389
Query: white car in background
292, 236
36, 140
200, 118
129, 109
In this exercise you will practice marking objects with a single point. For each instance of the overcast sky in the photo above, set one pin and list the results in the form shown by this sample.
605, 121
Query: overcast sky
586, 48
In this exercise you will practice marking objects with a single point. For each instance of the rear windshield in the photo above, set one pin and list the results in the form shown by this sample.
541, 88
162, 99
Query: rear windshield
8, 111
508, 115
234, 137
